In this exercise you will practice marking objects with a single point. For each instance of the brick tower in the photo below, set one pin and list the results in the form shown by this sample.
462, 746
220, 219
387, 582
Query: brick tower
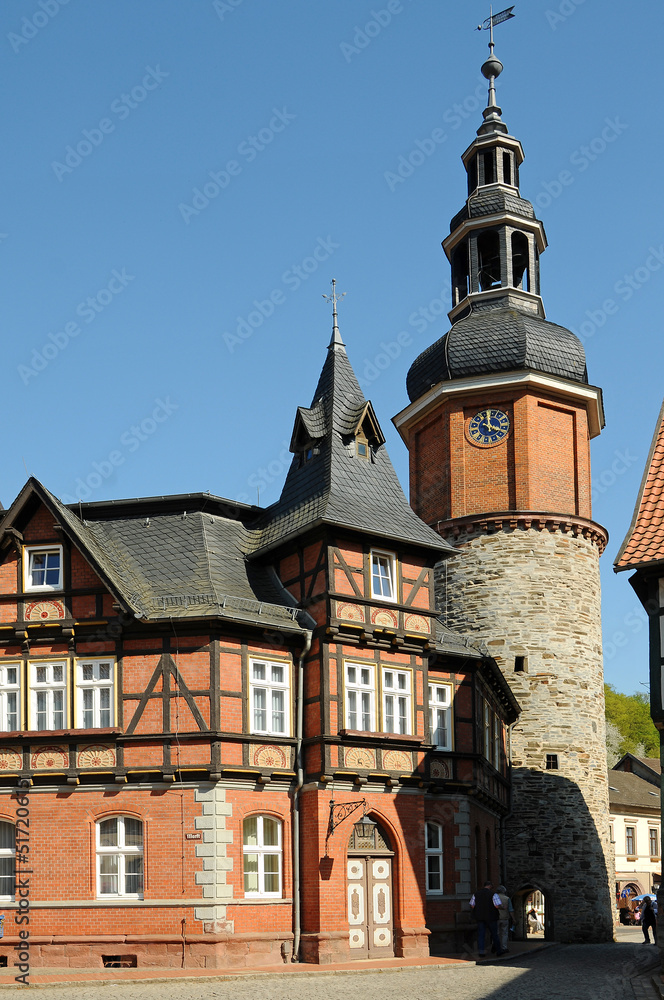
498, 431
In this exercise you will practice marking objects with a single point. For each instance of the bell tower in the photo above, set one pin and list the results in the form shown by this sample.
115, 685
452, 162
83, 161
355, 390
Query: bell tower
498, 432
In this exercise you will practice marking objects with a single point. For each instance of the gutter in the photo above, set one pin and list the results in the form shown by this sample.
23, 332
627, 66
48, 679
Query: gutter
297, 889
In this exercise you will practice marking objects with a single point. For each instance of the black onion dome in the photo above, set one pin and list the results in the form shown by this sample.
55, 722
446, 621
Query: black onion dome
498, 340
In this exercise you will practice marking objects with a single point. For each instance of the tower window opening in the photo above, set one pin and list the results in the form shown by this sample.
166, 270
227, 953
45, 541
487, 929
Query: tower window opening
520, 269
507, 168
472, 175
460, 273
520, 665
489, 167
552, 762
488, 250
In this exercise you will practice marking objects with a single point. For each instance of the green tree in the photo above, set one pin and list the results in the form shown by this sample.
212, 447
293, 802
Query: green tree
630, 714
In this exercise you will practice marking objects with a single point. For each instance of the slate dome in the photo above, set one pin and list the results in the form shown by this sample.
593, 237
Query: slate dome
498, 340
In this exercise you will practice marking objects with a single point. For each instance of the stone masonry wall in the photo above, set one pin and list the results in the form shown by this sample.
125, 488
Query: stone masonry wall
536, 594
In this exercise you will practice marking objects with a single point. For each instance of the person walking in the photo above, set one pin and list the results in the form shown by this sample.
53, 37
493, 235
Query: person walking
505, 911
485, 903
648, 920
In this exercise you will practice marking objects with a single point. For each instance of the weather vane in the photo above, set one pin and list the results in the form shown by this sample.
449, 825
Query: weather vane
334, 298
493, 66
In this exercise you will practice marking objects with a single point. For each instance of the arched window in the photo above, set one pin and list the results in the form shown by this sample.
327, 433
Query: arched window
460, 273
488, 249
434, 858
120, 857
520, 270
261, 838
7, 859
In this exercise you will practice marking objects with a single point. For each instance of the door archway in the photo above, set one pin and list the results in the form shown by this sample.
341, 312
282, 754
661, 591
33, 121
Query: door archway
528, 898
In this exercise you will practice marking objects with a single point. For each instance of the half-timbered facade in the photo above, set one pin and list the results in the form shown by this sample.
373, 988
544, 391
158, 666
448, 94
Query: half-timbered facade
233, 735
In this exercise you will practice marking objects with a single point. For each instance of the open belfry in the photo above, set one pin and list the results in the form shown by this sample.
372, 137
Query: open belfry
498, 432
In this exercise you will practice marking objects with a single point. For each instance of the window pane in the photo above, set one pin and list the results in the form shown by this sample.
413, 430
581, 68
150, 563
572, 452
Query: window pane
366, 675
88, 672
108, 833
11, 675
403, 719
251, 831
104, 671
389, 714
278, 712
270, 833
133, 874
260, 709
12, 711
366, 712
389, 679
58, 710
433, 873
7, 836
402, 682
259, 671
271, 872
6, 876
433, 837
277, 674
133, 830
58, 674
351, 674
41, 675
251, 873
41, 710
108, 874
352, 710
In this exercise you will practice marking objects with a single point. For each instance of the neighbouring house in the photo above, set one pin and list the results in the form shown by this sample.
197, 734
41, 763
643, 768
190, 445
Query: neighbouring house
635, 818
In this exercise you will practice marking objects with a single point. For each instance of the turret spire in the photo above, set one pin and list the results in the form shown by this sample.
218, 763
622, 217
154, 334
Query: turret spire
336, 340
491, 69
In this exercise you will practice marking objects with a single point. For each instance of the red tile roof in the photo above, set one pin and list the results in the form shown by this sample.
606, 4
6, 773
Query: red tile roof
644, 541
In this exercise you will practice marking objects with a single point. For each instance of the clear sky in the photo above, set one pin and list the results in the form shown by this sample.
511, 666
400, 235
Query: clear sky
179, 181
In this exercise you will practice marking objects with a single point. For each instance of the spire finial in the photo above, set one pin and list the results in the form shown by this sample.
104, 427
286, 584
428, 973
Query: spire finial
334, 298
493, 66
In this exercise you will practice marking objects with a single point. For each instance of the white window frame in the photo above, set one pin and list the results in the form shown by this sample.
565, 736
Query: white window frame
388, 561
261, 850
49, 687
358, 691
632, 853
445, 706
10, 695
394, 692
122, 852
29, 553
269, 687
435, 852
95, 686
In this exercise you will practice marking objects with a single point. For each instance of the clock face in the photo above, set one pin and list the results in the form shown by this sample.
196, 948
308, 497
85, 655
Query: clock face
489, 427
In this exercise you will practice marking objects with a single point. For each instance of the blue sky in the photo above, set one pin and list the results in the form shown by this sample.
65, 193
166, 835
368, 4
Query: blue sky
157, 340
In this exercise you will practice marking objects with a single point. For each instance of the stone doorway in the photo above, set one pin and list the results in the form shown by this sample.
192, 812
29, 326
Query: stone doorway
528, 927
369, 892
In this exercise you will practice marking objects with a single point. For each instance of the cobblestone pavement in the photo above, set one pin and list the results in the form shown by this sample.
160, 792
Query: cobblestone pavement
564, 972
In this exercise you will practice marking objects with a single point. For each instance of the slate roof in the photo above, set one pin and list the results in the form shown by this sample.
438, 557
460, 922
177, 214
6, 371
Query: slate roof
174, 565
627, 790
492, 201
644, 541
498, 339
335, 486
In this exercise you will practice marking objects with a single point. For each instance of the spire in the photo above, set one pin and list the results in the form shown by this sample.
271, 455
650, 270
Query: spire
336, 341
491, 69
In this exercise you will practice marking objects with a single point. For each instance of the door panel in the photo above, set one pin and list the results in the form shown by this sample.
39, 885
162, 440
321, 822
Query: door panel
369, 893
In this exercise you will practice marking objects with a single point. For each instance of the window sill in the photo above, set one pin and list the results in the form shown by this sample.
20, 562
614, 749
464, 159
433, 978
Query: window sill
257, 900
52, 733
631, 857
358, 734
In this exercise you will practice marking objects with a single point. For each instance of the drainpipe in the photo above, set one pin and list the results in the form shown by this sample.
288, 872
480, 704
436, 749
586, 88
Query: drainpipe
297, 890
508, 815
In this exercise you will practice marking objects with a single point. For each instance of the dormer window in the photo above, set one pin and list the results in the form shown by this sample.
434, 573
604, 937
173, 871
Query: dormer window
362, 447
383, 575
43, 568
306, 455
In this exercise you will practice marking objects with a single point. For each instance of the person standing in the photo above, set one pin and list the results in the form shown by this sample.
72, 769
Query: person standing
485, 903
648, 920
505, 911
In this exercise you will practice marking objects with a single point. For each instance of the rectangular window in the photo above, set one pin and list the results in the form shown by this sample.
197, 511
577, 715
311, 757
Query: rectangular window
383, 576
653, 835
552, 762
94, 694
43, 568
269, 697
497, 741
48, 695
10, 697
434, 857
397, 715
630, 841
487, 731
440, 715
361, 697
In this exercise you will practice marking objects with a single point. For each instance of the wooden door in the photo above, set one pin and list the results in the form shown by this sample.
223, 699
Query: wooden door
369, 894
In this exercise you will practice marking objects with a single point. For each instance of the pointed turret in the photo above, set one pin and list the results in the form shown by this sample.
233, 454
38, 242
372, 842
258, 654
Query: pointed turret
341, 473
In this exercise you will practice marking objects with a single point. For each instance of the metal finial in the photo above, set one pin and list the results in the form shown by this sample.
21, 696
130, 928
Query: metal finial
493, 66
334, 298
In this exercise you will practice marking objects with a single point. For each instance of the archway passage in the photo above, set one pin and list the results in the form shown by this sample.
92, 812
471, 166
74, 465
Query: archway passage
533, 915
369, 892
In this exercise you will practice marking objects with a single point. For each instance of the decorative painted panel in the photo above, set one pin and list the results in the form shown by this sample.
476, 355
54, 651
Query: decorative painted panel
95, 755
355, 904
357, 937
49, 758
440, 769
359, 757
11, 759
269, 756
384, 618
37, 611
397, 760
416, 623
382, 938
381, 869
350, 612
355, 868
